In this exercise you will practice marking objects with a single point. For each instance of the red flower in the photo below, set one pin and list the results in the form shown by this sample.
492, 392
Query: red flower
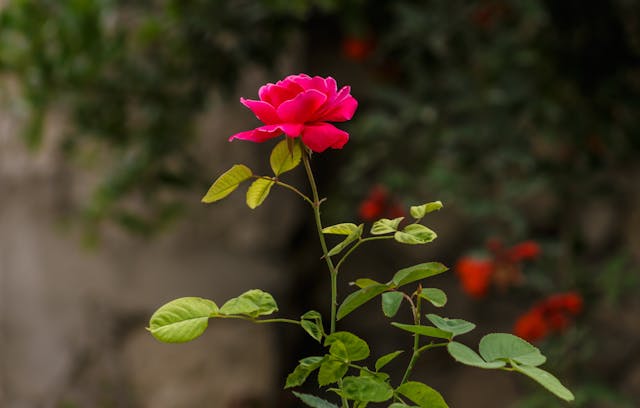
523, 250
475, 275
357, 49
531, 326
379, 204
551, 315
302, 106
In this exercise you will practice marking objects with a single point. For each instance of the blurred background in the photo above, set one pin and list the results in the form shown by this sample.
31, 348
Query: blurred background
522, 116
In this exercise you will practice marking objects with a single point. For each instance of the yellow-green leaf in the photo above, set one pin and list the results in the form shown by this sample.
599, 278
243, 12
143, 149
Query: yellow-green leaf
285, 157
258, 192
227, 182
419, 211
344, 228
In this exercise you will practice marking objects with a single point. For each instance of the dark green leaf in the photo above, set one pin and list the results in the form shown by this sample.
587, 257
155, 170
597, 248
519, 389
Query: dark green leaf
358, 298
465, 355
331, 371
302, 371
313, 401
386, 359
391, 303
435, 296
365, 282
312, 328
424, 330
356, 348
546, 379
366, 389
453, 326
504, 346
421, 394
182, 319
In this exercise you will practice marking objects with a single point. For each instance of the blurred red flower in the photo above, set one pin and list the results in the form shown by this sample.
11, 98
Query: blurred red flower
475, 275
379, 204
551, 315
357, 49
503, 268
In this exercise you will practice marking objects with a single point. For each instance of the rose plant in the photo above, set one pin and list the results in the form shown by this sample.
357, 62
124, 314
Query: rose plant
301, 107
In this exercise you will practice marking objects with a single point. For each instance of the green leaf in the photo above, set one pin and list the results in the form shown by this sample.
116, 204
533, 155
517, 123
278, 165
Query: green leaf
366, 389
546, 379
417, 272
312, 328
423, 330
435, 296
252, 303
505, 346
386, 226
421, 394
391, 303
415, 234
258, 192
313, 401
365, 282
312, 323
465, 355
454, 326
356, 348
419, 211
346, 228
401, 405
386, 359
302, 371
358, 298
182, 319
285, 157
331, 371
227, 182
354, 235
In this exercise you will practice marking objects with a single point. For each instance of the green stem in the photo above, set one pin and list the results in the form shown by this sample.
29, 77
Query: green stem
287, 186
356, 245
416, 343
345, 403
332, 270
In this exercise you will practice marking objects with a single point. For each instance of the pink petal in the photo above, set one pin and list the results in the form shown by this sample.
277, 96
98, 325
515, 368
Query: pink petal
340, 109
276, 94
320, 136
302, 107
263, 110
267, 132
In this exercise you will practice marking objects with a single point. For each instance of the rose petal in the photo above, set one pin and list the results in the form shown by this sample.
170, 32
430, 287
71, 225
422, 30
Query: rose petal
302, 107
320, 136
276, 94
342, 108
263, 110
267, 132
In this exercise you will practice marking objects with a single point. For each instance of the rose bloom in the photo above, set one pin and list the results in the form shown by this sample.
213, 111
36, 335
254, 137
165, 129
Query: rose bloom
475, 275
301, 106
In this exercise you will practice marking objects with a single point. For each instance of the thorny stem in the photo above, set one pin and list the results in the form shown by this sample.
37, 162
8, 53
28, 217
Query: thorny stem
416, 342
332, 270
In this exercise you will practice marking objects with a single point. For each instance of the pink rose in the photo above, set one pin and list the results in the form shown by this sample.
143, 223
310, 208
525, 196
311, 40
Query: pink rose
302, 106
